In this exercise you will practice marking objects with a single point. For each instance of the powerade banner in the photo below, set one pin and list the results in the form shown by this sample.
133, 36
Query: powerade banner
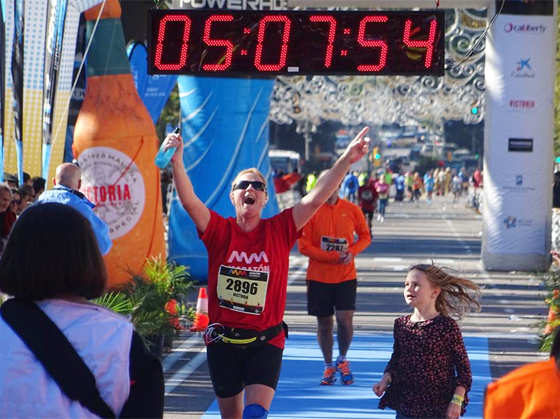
153, 90
225, 130
518, 153
23, 98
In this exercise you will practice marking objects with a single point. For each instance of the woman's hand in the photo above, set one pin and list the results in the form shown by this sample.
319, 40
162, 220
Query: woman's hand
174, 140
359, 146
453, 411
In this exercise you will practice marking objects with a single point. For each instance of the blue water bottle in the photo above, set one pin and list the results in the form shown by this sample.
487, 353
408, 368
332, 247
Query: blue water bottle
163, 157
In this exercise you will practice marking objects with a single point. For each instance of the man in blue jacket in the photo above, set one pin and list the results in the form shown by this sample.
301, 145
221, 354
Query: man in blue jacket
67, 181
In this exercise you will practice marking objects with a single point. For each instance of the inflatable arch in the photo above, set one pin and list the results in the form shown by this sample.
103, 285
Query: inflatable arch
518, 164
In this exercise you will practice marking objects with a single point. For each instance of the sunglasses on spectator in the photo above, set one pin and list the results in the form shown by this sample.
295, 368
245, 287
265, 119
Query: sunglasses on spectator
16, 201
244, 184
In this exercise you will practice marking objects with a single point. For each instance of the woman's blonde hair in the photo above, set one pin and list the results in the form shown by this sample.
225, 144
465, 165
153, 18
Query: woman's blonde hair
253, 170
458, 296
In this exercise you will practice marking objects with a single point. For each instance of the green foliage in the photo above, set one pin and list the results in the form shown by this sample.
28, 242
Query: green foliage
115, 301
551, 280
145, 298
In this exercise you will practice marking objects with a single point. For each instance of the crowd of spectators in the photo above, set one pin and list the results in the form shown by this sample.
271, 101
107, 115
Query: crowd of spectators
14, 198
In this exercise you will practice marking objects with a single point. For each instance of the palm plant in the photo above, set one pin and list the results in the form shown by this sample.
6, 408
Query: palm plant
146, 299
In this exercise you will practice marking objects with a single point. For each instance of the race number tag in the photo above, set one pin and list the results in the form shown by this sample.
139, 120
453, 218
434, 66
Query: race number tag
242, 290
334, 244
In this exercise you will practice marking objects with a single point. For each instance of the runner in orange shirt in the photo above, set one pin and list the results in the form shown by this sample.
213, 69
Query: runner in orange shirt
328, 240
531, 391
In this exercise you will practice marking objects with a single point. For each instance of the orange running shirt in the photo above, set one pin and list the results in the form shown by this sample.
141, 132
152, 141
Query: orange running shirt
330, 231
531, 391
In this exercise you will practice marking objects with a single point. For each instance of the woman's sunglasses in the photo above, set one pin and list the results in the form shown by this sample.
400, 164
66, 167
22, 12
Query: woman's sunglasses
244, 184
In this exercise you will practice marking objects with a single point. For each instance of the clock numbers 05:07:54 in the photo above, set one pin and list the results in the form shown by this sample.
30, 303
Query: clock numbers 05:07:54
332, 37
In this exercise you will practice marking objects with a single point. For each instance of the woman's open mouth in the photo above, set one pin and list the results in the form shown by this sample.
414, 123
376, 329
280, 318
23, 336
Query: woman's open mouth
249, 200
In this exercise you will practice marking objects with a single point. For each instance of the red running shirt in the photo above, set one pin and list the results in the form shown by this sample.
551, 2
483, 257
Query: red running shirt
264, 249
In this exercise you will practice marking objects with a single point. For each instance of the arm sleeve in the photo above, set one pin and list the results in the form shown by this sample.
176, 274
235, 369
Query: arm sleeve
392, 365
306, 247
362, 230
146, 383
99, 227
216, 224
460, 358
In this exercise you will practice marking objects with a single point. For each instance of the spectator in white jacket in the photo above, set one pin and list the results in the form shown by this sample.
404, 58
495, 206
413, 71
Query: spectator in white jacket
52, 258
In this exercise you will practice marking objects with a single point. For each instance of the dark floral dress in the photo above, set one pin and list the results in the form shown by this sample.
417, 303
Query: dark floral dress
429, 361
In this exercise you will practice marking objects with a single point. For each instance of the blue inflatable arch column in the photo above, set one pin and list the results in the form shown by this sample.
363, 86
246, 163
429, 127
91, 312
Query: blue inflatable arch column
224, 125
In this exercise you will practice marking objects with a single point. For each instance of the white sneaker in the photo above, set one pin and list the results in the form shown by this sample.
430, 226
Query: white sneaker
379, 217
382, 219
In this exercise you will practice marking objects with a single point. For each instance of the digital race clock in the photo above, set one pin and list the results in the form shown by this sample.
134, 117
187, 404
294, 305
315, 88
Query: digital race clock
222, 42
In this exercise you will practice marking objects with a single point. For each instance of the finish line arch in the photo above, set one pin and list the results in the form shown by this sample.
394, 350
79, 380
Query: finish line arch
518, 164
519, 80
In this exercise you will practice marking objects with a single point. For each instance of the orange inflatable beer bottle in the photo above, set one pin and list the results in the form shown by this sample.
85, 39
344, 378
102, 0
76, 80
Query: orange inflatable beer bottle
115, 143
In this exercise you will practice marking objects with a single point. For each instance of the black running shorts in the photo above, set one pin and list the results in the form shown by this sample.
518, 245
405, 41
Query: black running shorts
232, 369
323, 299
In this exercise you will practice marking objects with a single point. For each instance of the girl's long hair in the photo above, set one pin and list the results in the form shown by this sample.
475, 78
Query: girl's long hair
458, 296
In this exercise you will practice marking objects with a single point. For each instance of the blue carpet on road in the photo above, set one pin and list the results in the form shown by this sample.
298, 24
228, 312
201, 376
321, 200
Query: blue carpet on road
299, 394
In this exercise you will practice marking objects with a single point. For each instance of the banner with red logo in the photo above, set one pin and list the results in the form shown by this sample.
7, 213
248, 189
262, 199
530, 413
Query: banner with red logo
520, 60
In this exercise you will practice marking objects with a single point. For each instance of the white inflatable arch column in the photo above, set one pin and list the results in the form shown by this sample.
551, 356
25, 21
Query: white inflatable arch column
519, 121
518, 138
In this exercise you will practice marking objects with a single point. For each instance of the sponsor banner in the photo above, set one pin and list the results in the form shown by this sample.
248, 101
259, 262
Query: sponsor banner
7, 110
518, 137
2, 75
524, 145
17, 66
230, 4
516, 202
153, 90
225, 129
53, 50
65, 79
35, 14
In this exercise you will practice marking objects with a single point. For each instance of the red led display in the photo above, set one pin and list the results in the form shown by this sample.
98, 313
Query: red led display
210, 42
218, 43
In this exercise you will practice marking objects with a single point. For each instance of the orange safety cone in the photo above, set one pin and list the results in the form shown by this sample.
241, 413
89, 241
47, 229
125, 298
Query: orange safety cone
201, 316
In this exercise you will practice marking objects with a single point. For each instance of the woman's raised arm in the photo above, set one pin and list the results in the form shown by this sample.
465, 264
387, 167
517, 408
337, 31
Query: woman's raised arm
310, 203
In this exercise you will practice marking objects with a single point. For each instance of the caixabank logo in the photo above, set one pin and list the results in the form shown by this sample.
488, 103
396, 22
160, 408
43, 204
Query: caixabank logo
523, 69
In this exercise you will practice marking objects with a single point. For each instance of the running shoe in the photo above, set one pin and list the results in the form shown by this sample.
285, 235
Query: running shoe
345, 374
329, 376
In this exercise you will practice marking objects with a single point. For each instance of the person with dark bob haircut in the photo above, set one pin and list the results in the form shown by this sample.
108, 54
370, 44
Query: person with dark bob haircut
52, 266
44, 235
